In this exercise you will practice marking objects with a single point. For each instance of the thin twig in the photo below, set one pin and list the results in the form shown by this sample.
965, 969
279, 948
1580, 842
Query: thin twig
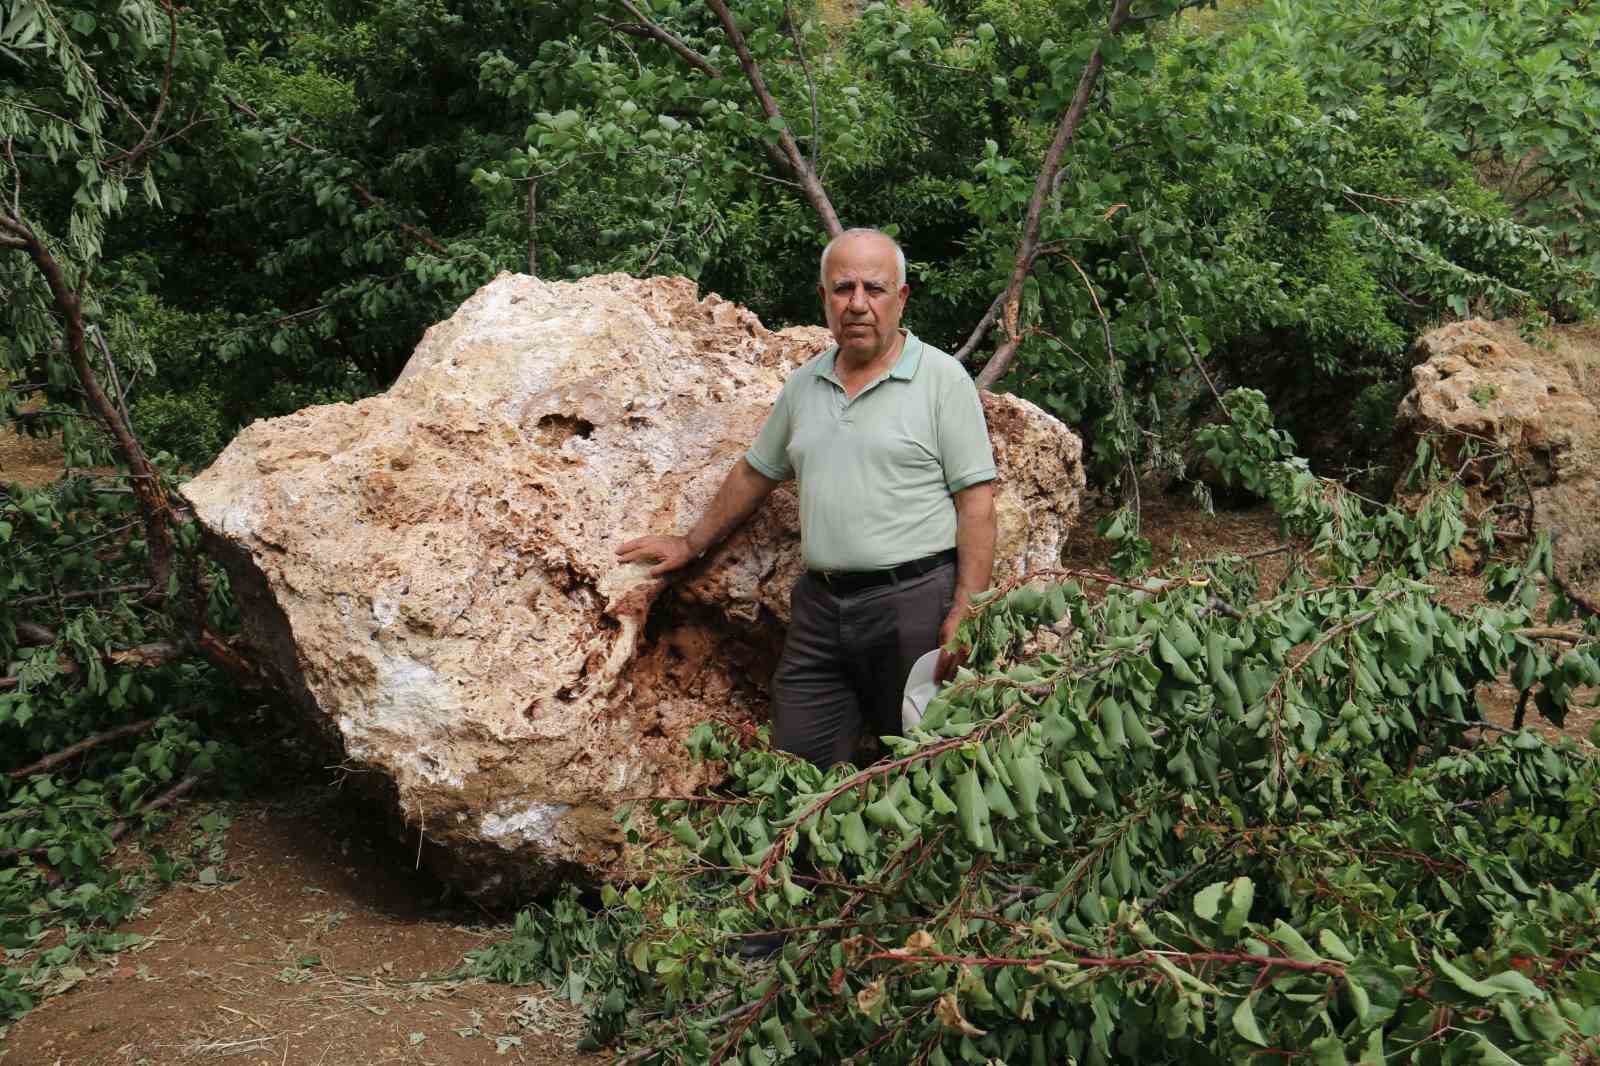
811, 85
132, 155
82, 594
533, 232
672, 216
16, 187
1194, 356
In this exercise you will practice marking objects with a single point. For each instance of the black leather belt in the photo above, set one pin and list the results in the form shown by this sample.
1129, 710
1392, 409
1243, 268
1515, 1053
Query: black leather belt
849, 582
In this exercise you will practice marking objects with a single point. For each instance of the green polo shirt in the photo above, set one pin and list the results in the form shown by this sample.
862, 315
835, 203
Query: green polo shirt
877, 472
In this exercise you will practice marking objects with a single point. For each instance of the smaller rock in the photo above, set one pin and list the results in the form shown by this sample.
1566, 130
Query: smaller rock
1479, 385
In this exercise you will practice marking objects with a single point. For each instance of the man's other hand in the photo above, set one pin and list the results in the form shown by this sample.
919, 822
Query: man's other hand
667, 553
949, 661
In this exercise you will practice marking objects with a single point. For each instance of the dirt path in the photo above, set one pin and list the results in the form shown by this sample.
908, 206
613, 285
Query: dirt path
30, 461
319, 944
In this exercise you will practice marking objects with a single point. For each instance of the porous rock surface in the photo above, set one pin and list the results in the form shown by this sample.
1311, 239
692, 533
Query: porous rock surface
1480, 385
430, 573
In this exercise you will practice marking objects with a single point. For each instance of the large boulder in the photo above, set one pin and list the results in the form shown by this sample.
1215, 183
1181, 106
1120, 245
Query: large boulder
430, 573
1522, 426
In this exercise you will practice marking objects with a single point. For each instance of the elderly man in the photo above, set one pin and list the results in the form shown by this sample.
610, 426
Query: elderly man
886, 437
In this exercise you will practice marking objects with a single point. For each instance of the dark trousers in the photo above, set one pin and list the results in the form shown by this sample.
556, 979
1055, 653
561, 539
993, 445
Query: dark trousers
846, 658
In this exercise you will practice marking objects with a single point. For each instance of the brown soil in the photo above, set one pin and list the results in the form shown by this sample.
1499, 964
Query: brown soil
32, 461
320, 944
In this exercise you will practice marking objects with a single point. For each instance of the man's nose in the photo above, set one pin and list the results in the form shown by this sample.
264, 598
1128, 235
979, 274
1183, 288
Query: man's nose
858, 298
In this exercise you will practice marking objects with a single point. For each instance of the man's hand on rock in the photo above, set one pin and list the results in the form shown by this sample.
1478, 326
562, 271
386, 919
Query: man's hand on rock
950, 661
667, 553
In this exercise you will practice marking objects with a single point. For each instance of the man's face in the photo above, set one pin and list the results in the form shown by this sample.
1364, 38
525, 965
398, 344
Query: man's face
860, 298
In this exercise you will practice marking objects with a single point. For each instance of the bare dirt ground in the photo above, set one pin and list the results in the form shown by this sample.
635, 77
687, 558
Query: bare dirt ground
319, 944
32, 461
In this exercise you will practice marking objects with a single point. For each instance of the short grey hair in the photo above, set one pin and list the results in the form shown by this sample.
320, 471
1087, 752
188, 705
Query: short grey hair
860, 231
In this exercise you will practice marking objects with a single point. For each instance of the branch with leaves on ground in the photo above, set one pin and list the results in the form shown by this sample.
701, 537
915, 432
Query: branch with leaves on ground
1156, 819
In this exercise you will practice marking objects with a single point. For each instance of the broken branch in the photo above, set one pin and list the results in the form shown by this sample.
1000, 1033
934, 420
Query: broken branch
787, 152
154, 507
67, 754
647, 27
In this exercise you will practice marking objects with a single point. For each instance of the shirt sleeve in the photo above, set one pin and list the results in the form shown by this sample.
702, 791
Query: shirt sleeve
770, 452
963, 435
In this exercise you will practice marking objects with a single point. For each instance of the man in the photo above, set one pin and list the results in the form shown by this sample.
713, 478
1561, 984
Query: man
886, 437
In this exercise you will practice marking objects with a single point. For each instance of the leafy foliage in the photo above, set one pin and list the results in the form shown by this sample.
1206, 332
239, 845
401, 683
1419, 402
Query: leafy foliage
1175, 819
1513, 87
360, 173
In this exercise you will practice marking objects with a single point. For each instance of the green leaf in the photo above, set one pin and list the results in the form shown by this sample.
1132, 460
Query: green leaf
1461, 979
1242, 896
972, 808
1293, 943
1208, 899
1333, 947
1328, 1051
1244, 1021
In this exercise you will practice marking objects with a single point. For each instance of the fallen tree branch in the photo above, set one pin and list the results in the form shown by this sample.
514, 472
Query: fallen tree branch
67, 754
1068, 128
81, 594
1568, 636
225, 657
166, 799
648, 28
786, 152
156, 653
1143, 961
121, 828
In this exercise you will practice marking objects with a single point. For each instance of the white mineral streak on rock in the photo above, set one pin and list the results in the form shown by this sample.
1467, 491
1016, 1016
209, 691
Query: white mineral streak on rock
533, 824
431, 572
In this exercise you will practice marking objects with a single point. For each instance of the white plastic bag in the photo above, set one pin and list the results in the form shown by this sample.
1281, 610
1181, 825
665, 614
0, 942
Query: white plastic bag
920, 689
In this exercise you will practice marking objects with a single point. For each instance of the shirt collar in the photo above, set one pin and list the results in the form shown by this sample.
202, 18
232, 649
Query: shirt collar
904, 369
